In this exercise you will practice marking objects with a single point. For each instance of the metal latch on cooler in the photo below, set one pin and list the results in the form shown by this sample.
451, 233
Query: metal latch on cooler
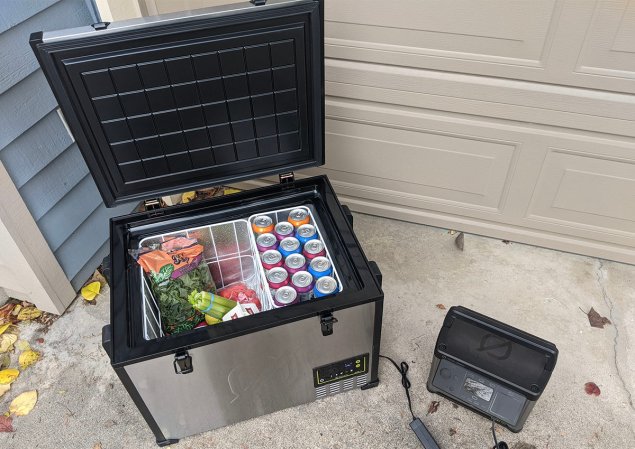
183, 363
327, 321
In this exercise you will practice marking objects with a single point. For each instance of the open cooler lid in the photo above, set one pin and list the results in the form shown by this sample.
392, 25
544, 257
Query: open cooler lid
177, 102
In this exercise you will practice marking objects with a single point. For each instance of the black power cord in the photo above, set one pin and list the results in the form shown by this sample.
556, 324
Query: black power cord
497, 445
416, 425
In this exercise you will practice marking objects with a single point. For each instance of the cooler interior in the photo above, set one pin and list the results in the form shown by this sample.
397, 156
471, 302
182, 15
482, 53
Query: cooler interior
232, 256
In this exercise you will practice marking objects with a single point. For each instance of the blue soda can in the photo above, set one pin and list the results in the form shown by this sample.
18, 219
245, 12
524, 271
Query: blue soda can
289, 246
324, 286
320, 267
305, 233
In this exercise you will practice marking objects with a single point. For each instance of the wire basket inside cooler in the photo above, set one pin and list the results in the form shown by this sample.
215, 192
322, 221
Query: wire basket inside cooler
283, 215
231, 255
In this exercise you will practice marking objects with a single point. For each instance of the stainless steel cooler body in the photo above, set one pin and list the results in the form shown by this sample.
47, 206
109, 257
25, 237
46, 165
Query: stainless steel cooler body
252, 375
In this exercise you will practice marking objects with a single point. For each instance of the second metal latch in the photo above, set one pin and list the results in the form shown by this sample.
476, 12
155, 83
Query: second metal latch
183, 363
327, 321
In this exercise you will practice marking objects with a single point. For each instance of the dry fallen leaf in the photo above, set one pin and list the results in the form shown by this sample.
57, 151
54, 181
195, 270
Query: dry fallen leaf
5, 361
90, 291
23, 345
452, 431
4, 327
6, 424
23, 403
28, 358
4, 389
592, 389
97, 446
433, 407
16, 309
596, 320
8, 375
29, 313
459, 241
7, 341
440, 307
523, 445
188, 197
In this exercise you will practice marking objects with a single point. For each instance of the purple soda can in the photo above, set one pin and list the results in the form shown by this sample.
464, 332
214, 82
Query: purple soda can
266, 242
294, 263
302, 282
285, 296
320, 267
283, 230
289, 246
305, 233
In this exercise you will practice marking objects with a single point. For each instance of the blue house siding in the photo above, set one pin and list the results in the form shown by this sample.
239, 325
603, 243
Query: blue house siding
42, 159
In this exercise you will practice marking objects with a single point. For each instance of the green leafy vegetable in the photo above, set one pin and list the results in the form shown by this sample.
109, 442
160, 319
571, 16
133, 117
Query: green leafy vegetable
177, 314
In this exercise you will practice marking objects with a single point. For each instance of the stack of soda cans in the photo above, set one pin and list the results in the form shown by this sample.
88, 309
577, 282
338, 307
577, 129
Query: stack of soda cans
294, 258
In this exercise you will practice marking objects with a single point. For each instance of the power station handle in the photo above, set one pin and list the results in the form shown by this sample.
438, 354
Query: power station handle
374, 268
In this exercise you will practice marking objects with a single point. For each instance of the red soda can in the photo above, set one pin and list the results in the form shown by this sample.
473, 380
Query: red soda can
314, 248
302, 282
299, 217
271, 259
265, 242
294, 263
283, 230
285, 296
277, 277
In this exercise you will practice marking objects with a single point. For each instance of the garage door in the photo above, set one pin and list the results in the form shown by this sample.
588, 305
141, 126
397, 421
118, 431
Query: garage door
512, 119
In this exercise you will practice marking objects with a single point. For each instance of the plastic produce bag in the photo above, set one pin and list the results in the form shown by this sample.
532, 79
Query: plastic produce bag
175, 270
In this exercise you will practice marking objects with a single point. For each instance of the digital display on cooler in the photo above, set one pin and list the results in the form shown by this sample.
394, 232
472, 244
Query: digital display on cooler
478, 389
341, 370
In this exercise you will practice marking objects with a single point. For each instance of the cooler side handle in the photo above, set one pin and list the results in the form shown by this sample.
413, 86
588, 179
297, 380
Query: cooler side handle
106, 339
374, 268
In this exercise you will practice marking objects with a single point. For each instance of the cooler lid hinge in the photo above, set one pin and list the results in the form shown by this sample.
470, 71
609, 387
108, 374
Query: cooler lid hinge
153, 206
287, 179
99, 26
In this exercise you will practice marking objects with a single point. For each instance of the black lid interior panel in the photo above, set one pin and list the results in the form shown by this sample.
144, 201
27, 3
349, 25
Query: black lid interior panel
170, 107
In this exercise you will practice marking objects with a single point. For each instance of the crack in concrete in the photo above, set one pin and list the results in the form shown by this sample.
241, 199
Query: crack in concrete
601, 278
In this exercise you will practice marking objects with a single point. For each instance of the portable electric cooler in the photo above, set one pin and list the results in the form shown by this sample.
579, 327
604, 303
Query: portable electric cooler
179, 102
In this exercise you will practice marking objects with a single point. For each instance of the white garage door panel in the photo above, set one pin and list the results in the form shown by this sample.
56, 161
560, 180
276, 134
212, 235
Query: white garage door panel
514, 100
454, 29
585, 43
609, 48
443, 168
588, 192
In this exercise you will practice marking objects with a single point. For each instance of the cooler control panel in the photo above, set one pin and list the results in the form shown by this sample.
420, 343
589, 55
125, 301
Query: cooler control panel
343, 369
